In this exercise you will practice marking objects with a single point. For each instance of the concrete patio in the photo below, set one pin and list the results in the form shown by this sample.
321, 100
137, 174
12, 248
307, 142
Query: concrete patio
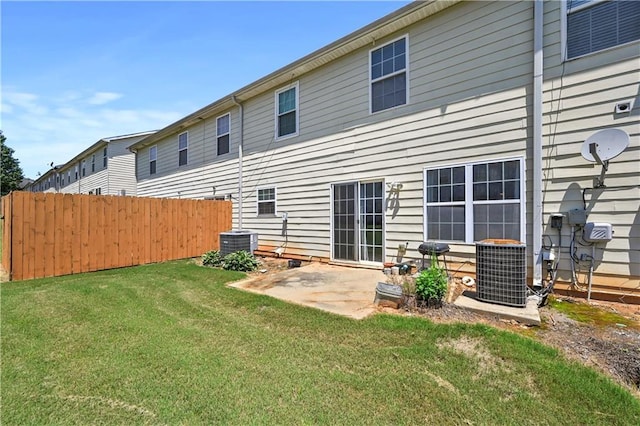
337, 289
351, 291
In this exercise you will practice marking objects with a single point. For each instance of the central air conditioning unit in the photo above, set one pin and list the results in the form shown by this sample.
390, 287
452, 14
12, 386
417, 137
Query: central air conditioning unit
233, 241
501, 272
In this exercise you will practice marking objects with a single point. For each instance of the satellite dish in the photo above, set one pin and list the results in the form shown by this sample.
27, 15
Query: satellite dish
604, 145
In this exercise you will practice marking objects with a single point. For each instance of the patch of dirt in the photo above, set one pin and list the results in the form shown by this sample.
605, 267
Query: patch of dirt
614, 349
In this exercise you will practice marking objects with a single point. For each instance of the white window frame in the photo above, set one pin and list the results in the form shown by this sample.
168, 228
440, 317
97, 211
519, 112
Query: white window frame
406, 71
77, 170
274, 201
186, 148
564, 30
277, 115
468, 199
104, 157
93, 163
153, 150
219, 135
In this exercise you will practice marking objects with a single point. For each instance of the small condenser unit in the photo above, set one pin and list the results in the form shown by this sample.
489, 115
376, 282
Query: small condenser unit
501, 272
231, 242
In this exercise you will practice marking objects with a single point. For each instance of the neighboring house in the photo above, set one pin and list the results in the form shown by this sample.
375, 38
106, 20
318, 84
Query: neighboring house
105, 168
47, 182
452, 121
26, 183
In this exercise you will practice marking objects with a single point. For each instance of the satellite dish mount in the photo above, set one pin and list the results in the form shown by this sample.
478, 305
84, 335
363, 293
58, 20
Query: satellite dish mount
602, 146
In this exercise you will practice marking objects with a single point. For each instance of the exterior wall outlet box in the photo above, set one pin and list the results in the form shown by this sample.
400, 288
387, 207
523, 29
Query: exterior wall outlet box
556, 220
595, 232
577, 217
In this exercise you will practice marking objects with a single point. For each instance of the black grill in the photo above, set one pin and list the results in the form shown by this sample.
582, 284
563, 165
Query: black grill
430, 247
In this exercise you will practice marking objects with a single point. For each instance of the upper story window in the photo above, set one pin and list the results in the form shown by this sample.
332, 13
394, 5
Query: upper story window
104, 157
153, 156
475, 201
183, 147
84, 168
594, 25
266, 201
76, 172
287, 112
69, 176
389, 75
222, 134
93, 163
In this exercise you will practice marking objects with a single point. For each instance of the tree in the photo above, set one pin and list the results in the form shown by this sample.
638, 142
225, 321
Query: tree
10, 172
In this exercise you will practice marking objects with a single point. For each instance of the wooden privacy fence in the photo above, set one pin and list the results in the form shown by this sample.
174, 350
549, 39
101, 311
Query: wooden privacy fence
49, 234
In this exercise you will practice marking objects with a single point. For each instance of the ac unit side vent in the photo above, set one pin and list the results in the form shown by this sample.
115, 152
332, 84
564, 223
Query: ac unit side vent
501, 273
231, 242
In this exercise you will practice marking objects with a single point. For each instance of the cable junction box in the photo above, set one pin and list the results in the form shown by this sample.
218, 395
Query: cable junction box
577, 217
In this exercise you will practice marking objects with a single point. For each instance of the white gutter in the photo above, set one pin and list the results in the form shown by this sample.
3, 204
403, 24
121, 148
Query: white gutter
538, 17
240, 146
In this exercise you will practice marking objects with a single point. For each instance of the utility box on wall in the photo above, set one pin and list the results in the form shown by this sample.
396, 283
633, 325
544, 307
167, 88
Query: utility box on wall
595, 232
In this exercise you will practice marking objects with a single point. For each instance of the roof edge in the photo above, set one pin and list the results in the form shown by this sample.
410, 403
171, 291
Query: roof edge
379, 28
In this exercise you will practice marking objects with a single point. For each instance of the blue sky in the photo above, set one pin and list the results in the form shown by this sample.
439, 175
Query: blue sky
74, 72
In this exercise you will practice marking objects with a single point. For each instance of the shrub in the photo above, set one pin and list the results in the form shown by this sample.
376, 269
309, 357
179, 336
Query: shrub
212, 258
431, 284
242, 261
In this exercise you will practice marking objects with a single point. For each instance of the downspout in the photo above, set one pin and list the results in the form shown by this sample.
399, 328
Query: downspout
538, 16
240, 146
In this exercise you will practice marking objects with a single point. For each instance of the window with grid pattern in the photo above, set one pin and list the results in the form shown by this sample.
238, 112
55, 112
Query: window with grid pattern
183, 148
287, 112
389, 76
223, 130
266, 201
474, 202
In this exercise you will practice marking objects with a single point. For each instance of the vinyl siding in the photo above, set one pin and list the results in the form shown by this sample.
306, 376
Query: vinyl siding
472, 105
469, 100
579, 100
119, 173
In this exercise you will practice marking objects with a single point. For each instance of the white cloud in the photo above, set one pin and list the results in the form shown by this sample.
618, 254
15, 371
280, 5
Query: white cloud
42, 129
101, 98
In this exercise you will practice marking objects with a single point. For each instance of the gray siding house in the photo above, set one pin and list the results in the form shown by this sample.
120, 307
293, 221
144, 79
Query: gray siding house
105, 168
452, 121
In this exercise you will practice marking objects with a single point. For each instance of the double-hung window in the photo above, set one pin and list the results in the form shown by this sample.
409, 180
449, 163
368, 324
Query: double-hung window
266, 201
287, 112
183, 147
84, 168
474, 202
153, 156
594, 25
76, 170
389, 75
93, 163
222, 134
104, 158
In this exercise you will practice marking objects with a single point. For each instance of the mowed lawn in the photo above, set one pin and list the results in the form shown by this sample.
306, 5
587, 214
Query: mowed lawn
170, 344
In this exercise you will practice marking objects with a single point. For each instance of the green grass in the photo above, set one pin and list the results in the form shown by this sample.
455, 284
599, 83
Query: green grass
170, 344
